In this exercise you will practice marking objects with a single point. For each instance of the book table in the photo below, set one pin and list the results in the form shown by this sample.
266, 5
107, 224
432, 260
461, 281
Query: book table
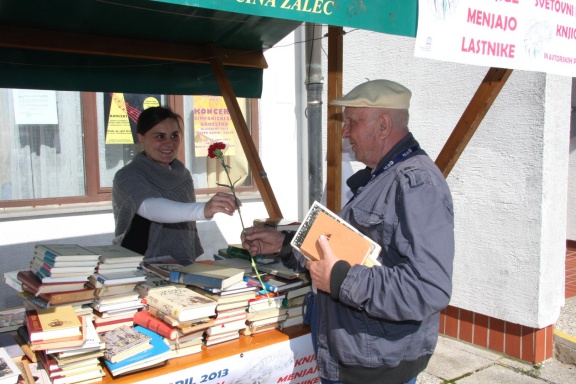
269, 357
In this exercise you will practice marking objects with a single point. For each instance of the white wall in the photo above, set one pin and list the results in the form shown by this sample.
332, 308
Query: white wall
508, 186
571, 226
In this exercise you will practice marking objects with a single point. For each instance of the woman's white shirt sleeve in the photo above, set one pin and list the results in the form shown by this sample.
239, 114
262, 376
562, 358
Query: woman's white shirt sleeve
163, 210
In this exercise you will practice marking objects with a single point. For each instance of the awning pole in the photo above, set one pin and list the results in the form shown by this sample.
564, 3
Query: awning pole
334, 120
245, 139
479, 105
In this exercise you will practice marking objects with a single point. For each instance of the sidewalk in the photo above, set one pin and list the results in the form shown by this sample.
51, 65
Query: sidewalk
459, 362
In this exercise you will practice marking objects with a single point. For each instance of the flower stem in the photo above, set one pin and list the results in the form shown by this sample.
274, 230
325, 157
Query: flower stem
244, 228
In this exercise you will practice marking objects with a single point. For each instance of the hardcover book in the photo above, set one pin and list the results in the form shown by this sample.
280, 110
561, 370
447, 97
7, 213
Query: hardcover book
159, 352
100, 280
144, 319
115, 254
52, 323
32, 281
124, 342
206, 275
181, 303
68, 252
57, 298
346, 241
10, 370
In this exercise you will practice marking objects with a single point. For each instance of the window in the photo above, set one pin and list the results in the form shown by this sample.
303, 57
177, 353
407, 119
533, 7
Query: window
56, 147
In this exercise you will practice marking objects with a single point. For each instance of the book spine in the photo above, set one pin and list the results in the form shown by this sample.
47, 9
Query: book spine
197, 280
144, 319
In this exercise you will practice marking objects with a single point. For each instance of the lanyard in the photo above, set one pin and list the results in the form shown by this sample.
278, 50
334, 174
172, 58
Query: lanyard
375, 174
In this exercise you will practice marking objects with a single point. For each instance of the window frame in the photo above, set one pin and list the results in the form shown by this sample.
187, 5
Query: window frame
97, 194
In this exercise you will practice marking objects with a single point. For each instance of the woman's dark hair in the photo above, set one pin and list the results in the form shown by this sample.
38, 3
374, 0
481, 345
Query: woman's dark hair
150, 117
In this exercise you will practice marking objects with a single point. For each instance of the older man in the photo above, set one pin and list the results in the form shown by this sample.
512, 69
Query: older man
380, 324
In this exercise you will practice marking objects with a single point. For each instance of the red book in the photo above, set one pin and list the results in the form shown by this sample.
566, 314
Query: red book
147, 321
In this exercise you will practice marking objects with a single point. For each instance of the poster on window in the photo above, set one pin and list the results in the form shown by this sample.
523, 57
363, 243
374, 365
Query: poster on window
212, 123
535, 35
33, 107
121, 114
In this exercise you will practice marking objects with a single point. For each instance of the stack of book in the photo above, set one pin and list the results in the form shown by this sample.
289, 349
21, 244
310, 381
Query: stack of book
112, 312
116, 301
57, 276
150, 348
115, 258
294, 302
75, 364
57, 327
181, 309
269, 305
181, 344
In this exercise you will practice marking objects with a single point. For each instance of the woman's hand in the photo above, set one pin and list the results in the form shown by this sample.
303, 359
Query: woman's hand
220, 202
261, 240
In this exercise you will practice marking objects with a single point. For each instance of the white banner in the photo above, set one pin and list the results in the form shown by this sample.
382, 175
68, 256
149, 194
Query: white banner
534, 35
291, 361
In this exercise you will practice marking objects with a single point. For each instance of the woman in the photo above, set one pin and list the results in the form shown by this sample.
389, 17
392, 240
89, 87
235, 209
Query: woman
153, 198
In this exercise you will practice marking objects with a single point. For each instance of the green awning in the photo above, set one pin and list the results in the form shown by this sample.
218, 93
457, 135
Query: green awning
165, 46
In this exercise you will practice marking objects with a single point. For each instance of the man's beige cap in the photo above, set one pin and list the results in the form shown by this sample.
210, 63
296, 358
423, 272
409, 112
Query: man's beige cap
377, 94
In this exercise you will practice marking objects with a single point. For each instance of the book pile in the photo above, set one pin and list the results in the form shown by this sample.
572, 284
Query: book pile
176, 312
294, 302
75, 364
56, 327
116, 311
115, 258
265, 313
115, 301
131, 349
57, 276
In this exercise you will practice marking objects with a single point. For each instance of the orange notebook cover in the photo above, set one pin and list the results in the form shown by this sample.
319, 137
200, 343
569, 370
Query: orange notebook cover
346, 242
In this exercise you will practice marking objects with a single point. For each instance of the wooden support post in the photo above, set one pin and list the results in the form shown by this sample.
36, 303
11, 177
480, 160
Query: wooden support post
244, 135
479, 105
334, 120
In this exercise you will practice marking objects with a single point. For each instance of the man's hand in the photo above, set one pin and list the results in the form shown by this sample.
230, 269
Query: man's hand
261, 240
321, 270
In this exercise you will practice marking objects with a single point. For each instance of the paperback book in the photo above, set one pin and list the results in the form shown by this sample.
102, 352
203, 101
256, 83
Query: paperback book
346, 242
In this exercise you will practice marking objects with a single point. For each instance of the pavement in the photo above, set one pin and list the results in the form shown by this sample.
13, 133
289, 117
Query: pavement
459, 362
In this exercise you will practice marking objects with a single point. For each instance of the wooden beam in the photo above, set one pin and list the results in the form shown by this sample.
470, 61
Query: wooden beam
59, 41
479, 105
244, 135
334, 120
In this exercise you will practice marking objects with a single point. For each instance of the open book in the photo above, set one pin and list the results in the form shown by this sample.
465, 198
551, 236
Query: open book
346, 241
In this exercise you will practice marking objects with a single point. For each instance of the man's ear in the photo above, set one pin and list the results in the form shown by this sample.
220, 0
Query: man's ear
140, 138
385, 125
